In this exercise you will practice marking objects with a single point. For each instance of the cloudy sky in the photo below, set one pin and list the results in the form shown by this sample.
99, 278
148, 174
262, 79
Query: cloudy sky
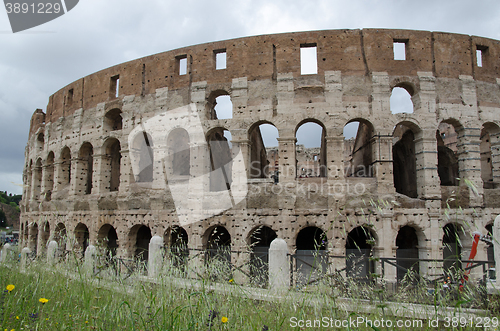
97, 34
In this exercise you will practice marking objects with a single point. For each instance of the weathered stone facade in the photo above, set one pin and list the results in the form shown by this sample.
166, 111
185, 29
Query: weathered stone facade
80, 183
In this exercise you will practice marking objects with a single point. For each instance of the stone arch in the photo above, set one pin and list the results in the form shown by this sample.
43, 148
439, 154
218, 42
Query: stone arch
82, 236
60, 236
45, 234
263, 147
111, 164
401, 99
447, 141
490, 161
143, 157
179, 153
49, 176
175, 239
64, 177
221, 96
85, 168
404, 159
40, 140
259, 241
359, 149
407, 248
33, 238
310, 154
221, 161
138, 242
108, 238
37, 179
311, 254
29, 180
218, 252
358, 249
113, 120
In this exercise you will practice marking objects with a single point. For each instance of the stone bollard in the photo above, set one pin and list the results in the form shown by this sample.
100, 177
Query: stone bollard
155, 260
51, 253
6, 250
279, 267
90, 260
25, 253
496, 247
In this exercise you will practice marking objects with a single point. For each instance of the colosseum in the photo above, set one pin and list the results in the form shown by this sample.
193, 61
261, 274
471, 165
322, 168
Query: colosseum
142, 150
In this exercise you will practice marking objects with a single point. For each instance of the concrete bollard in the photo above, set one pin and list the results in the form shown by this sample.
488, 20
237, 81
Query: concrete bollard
51, 252
279, 267
496, 247
155, 260
25, 253
6, 250
90, 260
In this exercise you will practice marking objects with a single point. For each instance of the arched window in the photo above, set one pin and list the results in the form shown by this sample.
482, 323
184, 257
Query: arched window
60, 236
108, 238
407, 248
112, 163
65, 175
37, 182
447, 154
176, 243
113, 120
219, 105
260, 240
263, 151
85, 165
33, 238
401, 101
49, 176
218, 255
142, 148
220, 148
139, 238
81, 238
310, 150
452, 250
358, 140
404, 161
312, 258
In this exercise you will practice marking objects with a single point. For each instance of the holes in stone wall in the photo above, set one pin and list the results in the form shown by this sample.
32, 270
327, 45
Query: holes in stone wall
308, 59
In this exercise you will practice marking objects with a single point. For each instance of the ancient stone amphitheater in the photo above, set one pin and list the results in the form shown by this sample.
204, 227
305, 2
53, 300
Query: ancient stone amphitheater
141, 150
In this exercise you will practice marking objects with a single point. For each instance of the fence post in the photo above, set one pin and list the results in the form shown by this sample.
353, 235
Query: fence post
279, 267
496, 246
24, 258
90, 260
155, 256
51, 252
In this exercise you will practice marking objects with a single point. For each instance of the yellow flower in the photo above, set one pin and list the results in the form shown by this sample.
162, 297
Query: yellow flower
86, 322
10, 287
224, 319
17, 317
43, 300
231, 280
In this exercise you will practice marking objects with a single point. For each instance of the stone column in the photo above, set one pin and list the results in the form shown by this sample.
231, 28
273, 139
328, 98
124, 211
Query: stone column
25, 255
279, 267
428, 183
155, 260
51, 253
469, 163
435, 235
90, 260
382, 158
125, 170
387, 246
101, 173
287, 164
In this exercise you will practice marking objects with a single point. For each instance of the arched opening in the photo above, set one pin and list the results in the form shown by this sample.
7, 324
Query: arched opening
490, 251
113, 120
81, 239
260, 240
218, 253
86, 165
358, 136
142, 149
359, 249
404, 161
40, 141
400, 101
37, 182
452, 250
263, 151
407, 248
310, 150
65, 175
447, 154
311, 254
109, 239
176, 242
45, 235
179, 152
112, 163
141, 240
29, 181
33, 238
221, 162
60, 236
219, 105
49, 176
490, 162
26, 235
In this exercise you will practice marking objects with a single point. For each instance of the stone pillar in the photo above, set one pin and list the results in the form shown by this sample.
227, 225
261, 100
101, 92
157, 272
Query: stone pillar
25, 255
90, 262
382, 158
4, 254
125, 170
279, 266
76, 175
469, 163
155, 260
496, 246
428, 183
387, 246
287, 163
51, 253
435, 235
101, 173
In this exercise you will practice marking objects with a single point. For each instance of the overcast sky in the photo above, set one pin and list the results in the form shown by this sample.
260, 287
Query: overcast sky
97, 34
